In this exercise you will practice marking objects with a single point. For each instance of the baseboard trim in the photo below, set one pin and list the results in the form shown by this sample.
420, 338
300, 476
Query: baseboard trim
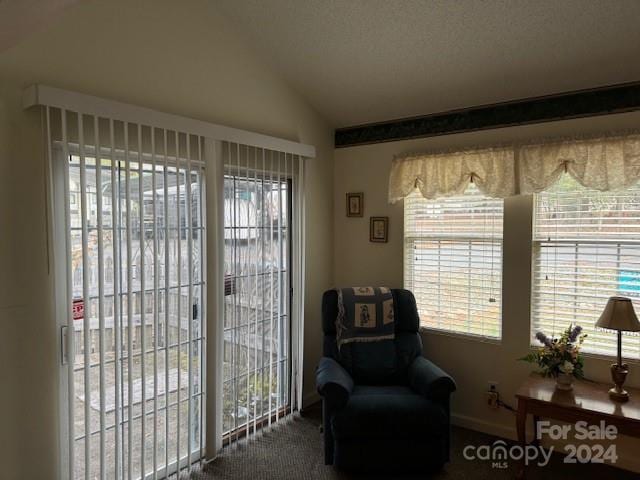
484, 426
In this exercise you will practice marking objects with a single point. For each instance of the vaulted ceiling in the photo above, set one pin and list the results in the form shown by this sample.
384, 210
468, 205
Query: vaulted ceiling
360, 61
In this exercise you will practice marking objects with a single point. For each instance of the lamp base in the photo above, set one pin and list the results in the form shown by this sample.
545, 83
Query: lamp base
619, 395
619, 375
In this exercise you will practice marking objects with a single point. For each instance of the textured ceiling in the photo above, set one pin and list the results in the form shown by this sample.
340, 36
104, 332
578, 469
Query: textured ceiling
20, 18
360, 61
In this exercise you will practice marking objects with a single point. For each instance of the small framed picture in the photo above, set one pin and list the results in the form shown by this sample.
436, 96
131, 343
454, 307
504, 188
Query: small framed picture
355, 204
378, 229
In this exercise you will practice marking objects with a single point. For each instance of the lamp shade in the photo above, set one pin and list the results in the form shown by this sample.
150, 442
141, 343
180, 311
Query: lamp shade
619, 315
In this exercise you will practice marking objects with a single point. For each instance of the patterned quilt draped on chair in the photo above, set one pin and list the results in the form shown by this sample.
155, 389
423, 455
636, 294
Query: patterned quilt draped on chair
365, 314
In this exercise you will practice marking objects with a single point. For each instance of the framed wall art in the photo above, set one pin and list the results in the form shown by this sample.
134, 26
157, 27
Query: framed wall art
378, 229
355, 204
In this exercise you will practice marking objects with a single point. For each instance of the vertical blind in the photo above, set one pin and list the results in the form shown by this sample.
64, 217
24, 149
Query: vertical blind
586, 248
453, 261
263, 212
133, 219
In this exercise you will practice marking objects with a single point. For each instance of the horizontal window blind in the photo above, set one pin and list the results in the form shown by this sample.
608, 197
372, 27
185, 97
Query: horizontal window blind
586, 248
453, 261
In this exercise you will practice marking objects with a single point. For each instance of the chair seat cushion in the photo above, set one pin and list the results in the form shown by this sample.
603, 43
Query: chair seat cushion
388, 412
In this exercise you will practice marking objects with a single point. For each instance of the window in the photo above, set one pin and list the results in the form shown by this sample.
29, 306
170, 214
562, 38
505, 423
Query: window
586, 248
453, 261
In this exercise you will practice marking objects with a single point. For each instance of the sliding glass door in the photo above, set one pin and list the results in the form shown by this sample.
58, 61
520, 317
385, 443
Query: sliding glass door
257, 370
134, 240
129, 269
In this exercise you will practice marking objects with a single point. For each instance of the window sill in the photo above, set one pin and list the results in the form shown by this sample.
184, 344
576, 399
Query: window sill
461, 336
610, 358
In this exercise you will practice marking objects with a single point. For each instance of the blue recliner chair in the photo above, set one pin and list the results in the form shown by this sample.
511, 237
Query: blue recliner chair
385, 407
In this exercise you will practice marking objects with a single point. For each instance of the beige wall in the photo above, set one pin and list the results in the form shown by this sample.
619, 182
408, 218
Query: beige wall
472, 363
158, 54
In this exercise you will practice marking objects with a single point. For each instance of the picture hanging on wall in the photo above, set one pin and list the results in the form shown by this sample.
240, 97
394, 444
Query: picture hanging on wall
378, 229
355, 204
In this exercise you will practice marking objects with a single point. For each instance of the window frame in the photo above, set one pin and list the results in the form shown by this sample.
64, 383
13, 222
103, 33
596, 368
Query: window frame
536, 248
408, 239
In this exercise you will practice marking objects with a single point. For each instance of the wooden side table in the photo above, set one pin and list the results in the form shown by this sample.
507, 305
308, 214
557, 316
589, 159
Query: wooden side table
588, 401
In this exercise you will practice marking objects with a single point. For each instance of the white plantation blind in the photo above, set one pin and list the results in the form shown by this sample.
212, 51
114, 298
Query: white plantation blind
586, 249
453, 261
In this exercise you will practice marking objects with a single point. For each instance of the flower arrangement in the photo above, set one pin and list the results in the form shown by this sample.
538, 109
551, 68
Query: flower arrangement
559, 355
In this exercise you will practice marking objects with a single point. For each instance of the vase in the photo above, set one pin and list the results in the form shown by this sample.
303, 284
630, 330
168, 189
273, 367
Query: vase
564, 381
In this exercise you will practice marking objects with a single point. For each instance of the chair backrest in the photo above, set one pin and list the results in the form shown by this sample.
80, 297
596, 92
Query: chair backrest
383, 362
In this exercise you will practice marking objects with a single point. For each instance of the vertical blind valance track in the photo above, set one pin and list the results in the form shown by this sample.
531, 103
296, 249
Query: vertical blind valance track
98, 107
602, 163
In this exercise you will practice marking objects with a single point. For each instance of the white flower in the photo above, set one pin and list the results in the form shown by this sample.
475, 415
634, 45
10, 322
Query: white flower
567, 367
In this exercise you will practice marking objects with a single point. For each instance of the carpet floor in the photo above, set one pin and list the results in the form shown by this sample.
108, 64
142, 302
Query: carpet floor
293, 450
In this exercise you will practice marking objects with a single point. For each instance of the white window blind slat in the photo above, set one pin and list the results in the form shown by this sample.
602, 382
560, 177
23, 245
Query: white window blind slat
586, 248
453, 261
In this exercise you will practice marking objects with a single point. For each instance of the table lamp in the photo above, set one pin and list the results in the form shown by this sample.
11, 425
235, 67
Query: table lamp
619, 315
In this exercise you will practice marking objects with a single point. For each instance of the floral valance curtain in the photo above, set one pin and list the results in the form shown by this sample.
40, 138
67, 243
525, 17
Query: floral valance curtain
603, 163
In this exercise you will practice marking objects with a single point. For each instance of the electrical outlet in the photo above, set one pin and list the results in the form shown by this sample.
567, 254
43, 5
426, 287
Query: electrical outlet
492, 400
493, 395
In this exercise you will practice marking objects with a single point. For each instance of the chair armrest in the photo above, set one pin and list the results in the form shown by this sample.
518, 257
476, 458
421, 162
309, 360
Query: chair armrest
429, 380
333, 382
